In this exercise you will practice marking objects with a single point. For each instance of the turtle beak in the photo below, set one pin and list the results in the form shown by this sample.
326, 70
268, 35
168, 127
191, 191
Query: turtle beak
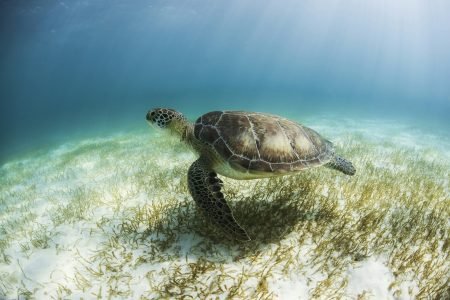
150, 120
148, 116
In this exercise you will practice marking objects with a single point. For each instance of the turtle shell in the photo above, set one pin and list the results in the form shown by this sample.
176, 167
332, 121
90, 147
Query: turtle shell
262, 142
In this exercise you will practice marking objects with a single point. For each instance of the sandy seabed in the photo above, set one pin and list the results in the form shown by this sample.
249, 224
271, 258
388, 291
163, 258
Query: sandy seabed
111, 217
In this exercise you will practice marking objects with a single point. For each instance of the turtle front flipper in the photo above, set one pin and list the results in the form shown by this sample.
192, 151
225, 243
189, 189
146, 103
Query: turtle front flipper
341, 164
205, 186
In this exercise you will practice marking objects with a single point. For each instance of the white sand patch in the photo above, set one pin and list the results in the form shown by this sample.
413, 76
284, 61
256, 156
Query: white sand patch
291, 288
370, 278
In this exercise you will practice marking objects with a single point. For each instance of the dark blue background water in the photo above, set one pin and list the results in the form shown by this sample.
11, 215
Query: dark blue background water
75, 67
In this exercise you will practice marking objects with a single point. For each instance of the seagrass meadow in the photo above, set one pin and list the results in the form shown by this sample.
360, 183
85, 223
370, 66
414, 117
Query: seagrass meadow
111, 217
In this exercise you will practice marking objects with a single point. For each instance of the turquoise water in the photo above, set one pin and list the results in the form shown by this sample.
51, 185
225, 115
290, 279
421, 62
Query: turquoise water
95, 203
74, 67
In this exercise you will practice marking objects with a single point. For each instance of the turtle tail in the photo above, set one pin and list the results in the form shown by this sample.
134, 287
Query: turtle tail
341, 164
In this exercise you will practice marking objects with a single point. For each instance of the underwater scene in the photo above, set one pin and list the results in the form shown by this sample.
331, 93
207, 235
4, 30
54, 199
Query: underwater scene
168, 149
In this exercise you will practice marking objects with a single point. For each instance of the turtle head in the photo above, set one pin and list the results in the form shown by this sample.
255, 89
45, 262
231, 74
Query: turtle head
167, 118
163, 117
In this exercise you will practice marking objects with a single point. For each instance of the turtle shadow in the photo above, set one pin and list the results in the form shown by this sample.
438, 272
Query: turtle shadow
271, 221
268, 216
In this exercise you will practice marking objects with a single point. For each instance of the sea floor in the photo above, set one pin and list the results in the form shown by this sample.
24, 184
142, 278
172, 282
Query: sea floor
111, 217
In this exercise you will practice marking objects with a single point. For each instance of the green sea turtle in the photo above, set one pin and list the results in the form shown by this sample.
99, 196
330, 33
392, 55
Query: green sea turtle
243, 145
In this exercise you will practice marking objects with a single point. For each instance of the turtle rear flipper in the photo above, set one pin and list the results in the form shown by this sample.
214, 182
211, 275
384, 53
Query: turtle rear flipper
341, 164
204, 186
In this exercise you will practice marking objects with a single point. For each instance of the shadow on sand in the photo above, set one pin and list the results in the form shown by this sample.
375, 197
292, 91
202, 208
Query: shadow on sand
275, 209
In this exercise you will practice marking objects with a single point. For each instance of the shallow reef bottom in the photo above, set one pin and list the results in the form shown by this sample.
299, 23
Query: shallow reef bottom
112, 217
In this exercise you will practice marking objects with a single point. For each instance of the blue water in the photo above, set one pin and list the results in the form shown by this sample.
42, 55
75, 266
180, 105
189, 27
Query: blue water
70, 68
